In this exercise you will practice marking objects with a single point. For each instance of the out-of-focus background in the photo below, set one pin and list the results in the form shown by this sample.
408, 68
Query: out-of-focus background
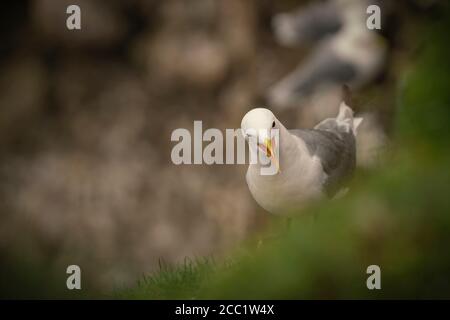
86, 118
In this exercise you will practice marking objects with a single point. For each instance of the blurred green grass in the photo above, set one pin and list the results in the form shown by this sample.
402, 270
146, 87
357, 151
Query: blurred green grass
397, 217
183, 281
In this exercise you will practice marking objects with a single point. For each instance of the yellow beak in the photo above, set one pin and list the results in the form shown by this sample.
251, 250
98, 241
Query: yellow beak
270, 146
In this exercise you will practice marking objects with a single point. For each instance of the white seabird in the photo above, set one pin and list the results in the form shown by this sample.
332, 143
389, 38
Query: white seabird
353, 54
312, 163
355, 57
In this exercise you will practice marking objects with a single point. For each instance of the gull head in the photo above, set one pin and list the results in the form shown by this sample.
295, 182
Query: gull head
260, 128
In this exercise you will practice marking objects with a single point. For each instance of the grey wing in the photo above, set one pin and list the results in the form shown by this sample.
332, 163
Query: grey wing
329, 124
336, 151
332, 125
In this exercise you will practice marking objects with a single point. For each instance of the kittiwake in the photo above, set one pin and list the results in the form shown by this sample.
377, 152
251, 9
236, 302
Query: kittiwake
311, 163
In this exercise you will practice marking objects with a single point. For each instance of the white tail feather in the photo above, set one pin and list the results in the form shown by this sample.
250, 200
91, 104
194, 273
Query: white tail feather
345, 118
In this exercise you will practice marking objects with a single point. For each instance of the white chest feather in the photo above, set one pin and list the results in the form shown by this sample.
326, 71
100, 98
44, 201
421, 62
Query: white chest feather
301, 180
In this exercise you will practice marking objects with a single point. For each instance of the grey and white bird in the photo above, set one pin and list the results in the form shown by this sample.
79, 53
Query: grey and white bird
355, 57
317, 20
311, 163
353, 54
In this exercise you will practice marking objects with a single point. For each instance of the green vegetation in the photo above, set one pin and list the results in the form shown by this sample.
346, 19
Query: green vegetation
397, 217
183, 281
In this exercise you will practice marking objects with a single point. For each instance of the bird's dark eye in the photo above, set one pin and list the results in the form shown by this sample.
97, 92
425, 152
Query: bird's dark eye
273, 124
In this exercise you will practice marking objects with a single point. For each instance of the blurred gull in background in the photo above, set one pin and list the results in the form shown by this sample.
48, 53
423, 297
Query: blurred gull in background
347, 53
308, 24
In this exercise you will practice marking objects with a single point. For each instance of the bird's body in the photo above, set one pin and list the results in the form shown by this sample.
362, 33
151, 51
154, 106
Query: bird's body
313, 163
298, 181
